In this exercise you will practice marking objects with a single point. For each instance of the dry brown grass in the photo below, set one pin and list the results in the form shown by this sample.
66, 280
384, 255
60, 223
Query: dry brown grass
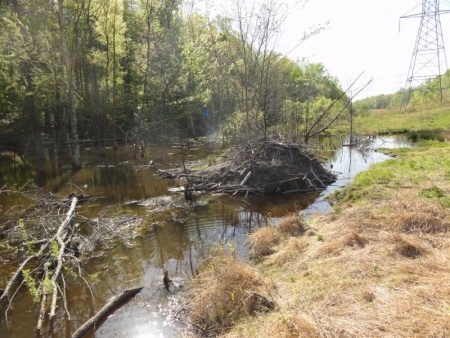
262, 242
225, 290
335, 246
293, 249
301, 327
408, 247
291, 225
272, 325
417, 216
372, 276
381, 270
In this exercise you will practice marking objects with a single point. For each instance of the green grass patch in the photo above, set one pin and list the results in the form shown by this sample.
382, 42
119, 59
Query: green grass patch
433, 192
414, 167
211, 160
394, 121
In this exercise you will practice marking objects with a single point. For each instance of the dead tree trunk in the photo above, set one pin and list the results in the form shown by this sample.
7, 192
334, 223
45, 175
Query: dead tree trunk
112, 305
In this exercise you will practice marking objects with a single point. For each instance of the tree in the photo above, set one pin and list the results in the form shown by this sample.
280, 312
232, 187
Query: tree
72, 125
26, 66
110, 29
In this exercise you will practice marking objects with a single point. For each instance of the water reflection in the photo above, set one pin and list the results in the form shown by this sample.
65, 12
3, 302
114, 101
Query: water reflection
177, 247
347, 162
113, 178
175, 239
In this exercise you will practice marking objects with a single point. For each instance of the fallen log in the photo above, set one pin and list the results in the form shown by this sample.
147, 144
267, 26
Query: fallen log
112, 305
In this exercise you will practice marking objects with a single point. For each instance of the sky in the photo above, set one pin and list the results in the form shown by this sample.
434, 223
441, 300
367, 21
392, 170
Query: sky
362, 37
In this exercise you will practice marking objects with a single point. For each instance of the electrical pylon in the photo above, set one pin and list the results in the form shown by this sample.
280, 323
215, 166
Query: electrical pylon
428, 61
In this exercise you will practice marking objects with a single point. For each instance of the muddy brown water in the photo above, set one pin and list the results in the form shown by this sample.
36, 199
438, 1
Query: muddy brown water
174, 239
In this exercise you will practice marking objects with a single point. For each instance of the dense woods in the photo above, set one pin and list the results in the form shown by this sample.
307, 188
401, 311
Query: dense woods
114, 72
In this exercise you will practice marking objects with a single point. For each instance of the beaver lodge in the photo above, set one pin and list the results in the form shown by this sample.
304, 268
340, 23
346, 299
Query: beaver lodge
269, 166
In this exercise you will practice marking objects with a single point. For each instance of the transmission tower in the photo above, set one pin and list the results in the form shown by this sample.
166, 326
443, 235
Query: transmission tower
428, 60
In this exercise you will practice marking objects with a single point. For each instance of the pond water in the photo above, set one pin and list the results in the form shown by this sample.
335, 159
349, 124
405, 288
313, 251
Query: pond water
170, 236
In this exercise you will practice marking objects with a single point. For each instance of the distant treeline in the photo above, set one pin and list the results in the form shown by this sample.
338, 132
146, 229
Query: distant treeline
433, 91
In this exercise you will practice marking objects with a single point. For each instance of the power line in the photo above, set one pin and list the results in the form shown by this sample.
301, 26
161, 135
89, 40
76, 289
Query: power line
428, 60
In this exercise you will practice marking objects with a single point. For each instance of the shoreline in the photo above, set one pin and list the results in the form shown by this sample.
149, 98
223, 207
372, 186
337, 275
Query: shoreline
377, 265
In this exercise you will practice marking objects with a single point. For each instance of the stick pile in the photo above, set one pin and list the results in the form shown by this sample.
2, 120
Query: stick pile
268, 166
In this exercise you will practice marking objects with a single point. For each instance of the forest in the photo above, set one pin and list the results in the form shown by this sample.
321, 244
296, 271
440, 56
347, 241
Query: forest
122, 72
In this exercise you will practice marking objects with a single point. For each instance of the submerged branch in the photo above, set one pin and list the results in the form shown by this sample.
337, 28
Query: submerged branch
106, 309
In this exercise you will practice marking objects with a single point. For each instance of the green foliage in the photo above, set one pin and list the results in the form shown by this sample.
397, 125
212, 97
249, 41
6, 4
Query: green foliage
30, 282
433, 192
55, 248
70, 271
21, 226
383, 101
143, 67
110, 34
147, 66
211, 160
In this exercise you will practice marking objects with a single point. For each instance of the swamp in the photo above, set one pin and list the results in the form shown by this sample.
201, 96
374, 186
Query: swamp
138, 138
134, 228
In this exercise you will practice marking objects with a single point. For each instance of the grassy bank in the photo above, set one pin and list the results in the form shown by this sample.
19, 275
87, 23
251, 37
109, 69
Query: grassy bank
393, 121
377, 266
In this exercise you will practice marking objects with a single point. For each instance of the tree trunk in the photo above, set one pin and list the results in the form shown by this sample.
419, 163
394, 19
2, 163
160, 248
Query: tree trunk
30, 106
30, 99
190, 108
72, 132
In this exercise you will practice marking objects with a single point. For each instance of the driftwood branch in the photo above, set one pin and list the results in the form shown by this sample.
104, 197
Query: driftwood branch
105, 310
62, 247
43, 234
310, 134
